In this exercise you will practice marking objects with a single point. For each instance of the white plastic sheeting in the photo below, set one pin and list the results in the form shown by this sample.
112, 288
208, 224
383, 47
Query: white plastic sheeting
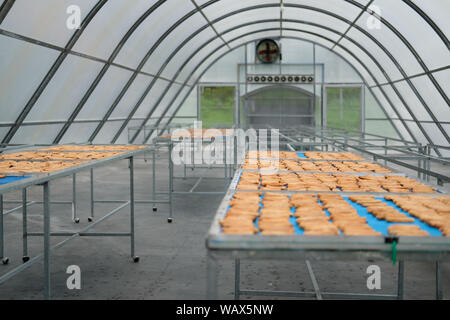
385, 41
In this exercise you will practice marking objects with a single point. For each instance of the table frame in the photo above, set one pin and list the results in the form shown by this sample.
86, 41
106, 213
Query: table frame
44, 180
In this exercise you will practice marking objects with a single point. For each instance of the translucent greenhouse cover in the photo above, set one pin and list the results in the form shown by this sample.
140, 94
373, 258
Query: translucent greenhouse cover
106, 65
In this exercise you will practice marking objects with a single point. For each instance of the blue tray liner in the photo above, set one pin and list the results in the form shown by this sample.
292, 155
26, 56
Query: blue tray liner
239, 179
293, 221
255, 223
376, 224
11, 179
301, 155
382, 225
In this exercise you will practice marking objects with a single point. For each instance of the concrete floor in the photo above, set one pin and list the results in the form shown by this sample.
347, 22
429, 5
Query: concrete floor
173, 263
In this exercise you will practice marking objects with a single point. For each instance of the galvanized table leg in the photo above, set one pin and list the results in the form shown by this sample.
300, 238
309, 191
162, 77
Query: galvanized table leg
133, 256
424, 165
170, 182
419, 165
25, 256
225, 163
211, 280
235, 156
439, 291
74, 199
154, 179
401, 270
237, 278
385, 150
47, 288
5, 260
91, 218
193, 148
429, 162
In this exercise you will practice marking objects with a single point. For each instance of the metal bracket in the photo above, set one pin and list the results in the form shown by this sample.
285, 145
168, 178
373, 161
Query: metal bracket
391, 240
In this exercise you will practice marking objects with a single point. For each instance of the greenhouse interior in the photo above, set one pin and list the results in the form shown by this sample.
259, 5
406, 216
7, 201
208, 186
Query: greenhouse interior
224, 150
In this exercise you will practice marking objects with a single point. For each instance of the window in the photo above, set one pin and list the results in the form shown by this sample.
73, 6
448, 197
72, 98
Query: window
343, 108
217, 106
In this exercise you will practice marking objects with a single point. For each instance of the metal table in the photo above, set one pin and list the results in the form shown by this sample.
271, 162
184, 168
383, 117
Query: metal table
226, 167
318, 248
44, 180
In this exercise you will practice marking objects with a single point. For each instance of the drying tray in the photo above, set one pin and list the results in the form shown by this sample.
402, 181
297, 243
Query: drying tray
302, 156
235, 181
29, 179
343, 161
376, 224
11, 179
433, 247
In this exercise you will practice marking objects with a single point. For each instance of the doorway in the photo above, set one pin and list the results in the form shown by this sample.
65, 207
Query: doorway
278, 107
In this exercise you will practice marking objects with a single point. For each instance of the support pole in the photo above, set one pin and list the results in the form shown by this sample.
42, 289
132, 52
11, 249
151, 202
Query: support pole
225, 163
133, 256
5, 260
25, 256
170, 182
237, 278
184, 169
74, 199
401, 270
235, 155
91, 218
47, 289
419, 166
429, 162
211, 278
439, 291
193, 149
419, 162
154, 178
